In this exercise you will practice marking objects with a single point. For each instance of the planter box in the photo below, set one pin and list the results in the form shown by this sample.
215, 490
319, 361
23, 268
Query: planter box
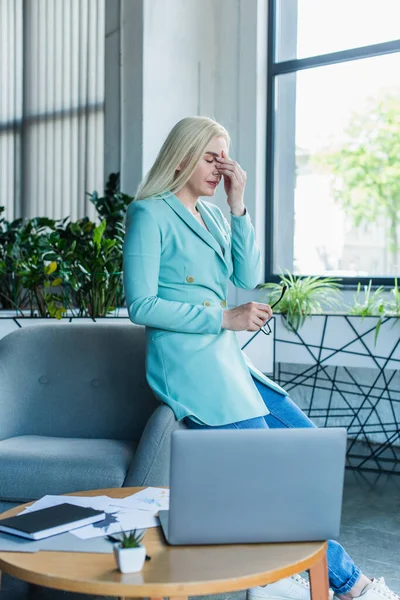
340, 340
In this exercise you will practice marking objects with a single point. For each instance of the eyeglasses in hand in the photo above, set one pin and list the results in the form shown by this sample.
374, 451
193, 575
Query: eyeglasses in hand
268, 330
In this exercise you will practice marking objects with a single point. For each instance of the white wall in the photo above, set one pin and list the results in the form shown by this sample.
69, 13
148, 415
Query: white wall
178, 67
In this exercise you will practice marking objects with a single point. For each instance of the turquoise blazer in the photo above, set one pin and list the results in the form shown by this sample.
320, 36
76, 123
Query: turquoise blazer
176, 276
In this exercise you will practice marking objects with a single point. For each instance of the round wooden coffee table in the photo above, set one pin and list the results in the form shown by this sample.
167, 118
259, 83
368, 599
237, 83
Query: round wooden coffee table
173, 571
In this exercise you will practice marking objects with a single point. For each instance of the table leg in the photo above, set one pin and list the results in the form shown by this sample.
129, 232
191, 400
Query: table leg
319, 580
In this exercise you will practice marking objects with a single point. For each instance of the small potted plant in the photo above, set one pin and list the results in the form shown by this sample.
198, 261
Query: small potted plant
129, 552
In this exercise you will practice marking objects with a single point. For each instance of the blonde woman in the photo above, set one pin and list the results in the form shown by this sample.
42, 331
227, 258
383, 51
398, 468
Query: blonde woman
179, 255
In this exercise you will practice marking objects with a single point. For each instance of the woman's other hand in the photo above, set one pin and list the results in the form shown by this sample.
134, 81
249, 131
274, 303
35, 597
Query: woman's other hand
247, 317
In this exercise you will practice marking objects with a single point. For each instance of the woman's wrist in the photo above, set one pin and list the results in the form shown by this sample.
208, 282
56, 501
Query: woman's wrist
225, 318
238, 211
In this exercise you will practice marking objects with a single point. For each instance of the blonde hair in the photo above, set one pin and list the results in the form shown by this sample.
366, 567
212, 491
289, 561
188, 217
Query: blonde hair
185, 145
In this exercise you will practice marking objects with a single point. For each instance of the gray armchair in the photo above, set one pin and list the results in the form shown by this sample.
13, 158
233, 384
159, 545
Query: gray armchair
76, 412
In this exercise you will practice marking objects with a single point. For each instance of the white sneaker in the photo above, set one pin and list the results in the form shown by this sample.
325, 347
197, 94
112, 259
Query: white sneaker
377, 590
290, 588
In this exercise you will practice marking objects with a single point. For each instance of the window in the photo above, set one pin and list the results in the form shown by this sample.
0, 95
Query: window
51, 106
334, 138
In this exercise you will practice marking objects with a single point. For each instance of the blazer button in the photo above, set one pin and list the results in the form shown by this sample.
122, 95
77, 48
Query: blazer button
223, 303
190, 279
206, 303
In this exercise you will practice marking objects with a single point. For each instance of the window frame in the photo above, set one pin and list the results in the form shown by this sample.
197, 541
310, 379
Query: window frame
274, 69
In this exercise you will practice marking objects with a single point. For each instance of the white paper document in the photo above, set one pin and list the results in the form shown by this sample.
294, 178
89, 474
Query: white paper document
125, 520
151, 499
133, 512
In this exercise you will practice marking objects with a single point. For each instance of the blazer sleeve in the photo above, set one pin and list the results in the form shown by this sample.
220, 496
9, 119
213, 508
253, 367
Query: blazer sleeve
141, 267
246, 255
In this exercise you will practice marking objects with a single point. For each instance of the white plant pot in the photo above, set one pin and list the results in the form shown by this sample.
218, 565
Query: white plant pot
129, 560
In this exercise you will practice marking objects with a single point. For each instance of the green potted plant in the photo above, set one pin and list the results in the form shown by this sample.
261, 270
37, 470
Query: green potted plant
22, 275
90, 267
53, 267
304, 296
129, 552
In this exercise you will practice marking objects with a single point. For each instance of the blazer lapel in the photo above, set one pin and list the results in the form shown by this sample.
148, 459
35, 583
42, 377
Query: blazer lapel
190, 220
213, 226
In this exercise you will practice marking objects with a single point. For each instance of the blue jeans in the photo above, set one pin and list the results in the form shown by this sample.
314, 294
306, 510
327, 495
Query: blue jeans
343, 573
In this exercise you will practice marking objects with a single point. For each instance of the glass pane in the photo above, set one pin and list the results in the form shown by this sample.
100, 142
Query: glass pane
336, 169
311, 27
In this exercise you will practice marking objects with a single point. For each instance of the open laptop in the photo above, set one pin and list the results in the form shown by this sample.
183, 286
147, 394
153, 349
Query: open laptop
267, 485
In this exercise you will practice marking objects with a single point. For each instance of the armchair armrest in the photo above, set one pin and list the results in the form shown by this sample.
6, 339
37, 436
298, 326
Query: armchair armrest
150, 465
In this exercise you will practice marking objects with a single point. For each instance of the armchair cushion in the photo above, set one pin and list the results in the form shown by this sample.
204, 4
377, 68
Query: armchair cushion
78, 380
32, 466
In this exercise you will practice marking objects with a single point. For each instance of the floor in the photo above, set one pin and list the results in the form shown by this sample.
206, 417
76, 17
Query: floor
370, 533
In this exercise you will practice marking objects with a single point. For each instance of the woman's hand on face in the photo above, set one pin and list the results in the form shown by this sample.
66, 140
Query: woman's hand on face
234, 182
